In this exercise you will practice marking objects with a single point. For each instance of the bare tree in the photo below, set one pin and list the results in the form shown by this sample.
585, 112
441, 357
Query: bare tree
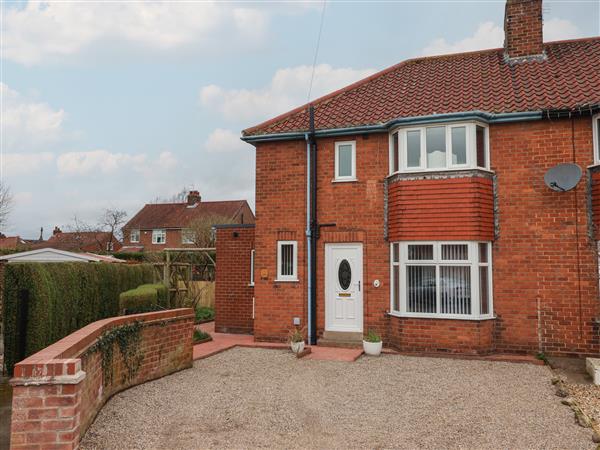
179, 197
201, 231
111, 221
6, 204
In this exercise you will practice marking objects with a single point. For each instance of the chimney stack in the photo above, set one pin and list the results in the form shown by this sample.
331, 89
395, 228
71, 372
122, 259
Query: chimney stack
56, 231
523, 35
193, 198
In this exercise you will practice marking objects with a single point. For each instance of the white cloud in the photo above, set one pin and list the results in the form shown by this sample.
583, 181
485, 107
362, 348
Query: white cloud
221, 140
14, 164
490, 35
26, 122
287, 89
105, 162
45, 31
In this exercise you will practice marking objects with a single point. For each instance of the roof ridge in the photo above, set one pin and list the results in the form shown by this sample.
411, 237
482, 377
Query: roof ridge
383, 72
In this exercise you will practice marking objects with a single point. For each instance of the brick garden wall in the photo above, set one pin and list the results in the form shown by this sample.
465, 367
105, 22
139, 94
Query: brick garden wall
233, 292
58, 391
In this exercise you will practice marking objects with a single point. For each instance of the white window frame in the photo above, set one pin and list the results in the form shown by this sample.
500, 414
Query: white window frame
473, 262
185, 236
294, 275
133, 232
156, 233
352, 177
252, 253
471, 147
596, 138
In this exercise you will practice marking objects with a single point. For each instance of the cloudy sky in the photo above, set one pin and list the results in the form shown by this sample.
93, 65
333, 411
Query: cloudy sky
113, 104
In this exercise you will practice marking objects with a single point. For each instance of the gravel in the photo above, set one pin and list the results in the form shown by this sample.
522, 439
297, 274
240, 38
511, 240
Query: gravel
587, 397
257, 398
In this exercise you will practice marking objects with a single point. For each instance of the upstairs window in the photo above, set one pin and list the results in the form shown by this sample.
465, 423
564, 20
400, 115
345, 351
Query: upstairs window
188, 237
345, 161
439, 147
596, 137
159, 236
287, 261
134, 236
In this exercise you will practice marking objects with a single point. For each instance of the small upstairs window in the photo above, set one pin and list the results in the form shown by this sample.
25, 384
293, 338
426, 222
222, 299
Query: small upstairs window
159, 236
188, 237
345, 161
134, 236
439, 147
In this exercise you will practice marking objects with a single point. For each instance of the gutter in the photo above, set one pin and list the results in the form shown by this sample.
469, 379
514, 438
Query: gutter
384, 127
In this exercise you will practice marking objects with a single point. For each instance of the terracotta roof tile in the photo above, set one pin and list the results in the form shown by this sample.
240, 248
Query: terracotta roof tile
567, 79
178, 215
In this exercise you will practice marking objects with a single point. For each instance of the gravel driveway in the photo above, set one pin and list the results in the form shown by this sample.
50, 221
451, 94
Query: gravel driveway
256, 398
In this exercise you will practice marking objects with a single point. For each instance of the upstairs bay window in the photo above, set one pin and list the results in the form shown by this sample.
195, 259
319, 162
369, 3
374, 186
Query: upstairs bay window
439, 147
596, 137
441, 280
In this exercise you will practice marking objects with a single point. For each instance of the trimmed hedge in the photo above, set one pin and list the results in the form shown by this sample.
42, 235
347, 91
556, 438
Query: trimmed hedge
44, 302
144, 298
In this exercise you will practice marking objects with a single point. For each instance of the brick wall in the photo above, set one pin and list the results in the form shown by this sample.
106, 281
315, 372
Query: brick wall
458, 207
595, 201
545, 271
58, 391
233, 292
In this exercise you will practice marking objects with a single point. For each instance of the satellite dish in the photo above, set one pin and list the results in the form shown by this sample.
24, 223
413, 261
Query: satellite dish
563, 177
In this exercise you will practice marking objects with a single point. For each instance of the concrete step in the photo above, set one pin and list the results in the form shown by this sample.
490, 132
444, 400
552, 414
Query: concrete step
342, 339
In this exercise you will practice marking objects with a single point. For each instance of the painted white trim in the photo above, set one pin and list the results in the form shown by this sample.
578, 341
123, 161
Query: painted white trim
155, 233
358, 247
472, 261
23, 256
351, 177
252, 252
471, 147
596, 138
294, 275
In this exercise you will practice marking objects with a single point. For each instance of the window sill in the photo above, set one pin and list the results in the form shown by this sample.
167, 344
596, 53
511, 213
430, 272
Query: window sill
347, 180
439, 316
439, 171
279, 280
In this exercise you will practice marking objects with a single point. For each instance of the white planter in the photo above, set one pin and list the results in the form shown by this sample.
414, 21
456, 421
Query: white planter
372, 348
297, 347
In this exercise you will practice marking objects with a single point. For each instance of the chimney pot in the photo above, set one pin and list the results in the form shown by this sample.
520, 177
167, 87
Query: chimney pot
193, 198
56, 231
523, 29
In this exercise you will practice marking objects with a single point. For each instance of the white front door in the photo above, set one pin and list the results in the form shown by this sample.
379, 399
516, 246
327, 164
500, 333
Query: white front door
343, 287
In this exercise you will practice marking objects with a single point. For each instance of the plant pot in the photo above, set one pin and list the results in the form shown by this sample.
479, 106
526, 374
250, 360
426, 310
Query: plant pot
297, 347
372, 348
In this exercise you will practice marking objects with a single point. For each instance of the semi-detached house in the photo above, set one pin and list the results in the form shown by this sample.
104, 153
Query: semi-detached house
417, 207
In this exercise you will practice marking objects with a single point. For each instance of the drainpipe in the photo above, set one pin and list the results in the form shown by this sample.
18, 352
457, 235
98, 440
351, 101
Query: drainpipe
312, 227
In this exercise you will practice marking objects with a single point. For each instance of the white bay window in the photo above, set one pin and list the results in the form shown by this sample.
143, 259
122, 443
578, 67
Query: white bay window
441, 279
439, 147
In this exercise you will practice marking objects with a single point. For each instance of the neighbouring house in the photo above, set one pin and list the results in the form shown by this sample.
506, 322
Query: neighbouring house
417, 206
172, 225
81, 241
12, 243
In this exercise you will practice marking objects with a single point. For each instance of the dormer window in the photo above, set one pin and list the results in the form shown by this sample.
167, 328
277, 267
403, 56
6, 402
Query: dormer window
439, 147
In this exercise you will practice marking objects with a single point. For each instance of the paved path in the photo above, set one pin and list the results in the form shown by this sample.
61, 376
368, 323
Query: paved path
225, 341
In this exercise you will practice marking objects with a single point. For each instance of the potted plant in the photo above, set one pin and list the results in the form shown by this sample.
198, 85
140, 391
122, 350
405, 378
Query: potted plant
296, 340
372, 343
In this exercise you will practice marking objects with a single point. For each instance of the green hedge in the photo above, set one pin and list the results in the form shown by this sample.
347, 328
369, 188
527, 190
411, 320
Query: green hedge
44, 302
144, 298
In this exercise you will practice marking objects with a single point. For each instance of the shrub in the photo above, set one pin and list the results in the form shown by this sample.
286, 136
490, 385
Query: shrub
44, 302
372, 336
204, 314
200, 335
144, 298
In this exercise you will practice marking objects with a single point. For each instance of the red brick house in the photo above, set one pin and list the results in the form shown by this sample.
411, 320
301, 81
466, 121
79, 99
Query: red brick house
80, 241
416, 205
168, 225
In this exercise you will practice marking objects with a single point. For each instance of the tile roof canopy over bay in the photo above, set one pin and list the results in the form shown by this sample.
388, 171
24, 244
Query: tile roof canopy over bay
489, 83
